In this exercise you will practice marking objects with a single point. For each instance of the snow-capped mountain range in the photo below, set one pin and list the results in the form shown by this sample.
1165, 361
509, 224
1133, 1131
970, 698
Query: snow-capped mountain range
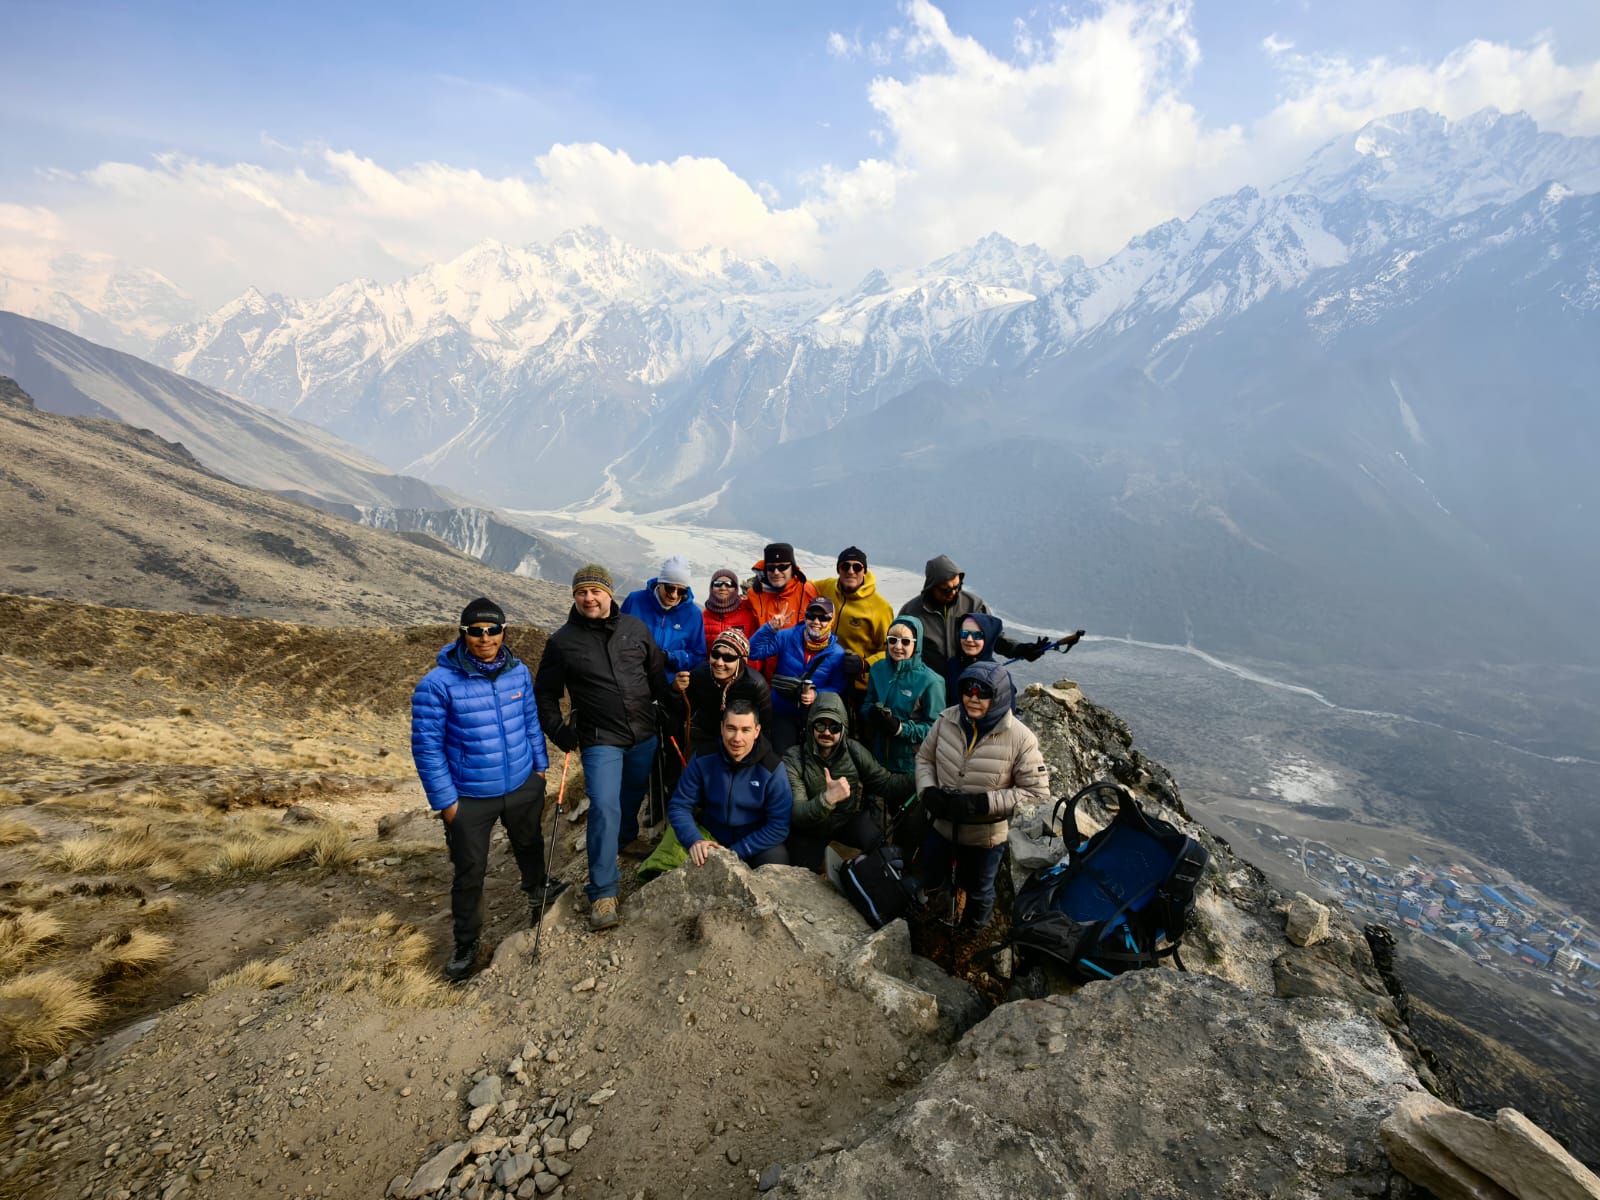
529, 374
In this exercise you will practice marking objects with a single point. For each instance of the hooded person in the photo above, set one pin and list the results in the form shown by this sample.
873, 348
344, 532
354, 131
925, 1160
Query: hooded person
666, 605
724, 676
976, 637
808, 661
726, 607
940, 606
480, 753
832, 778
780, 589
903, 698
976, 767
860, 617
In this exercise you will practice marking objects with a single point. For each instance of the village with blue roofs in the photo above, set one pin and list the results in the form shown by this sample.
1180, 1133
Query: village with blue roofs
1497, 924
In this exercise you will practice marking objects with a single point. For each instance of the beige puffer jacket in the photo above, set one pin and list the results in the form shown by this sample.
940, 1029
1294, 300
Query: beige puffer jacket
1005, 763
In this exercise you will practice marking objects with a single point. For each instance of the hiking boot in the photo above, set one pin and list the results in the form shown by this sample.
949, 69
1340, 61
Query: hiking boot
640, 848
603, 913
541, 898
461, 962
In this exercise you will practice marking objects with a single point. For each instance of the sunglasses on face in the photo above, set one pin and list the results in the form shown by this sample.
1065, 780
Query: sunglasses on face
818, 618
716, 583
672, 589
972, 635
779, 567
827, 727
978, 689
725, 658
950, 588
482, 631
852, 567
891, 640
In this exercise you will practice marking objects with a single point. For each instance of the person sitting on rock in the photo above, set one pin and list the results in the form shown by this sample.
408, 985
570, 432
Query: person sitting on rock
738, 792
727, 608
809, 660
724, 676
833, 778
977, 765
666, 605
480, 753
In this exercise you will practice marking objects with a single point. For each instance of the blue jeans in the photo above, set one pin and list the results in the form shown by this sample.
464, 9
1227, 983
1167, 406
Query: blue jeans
615, 778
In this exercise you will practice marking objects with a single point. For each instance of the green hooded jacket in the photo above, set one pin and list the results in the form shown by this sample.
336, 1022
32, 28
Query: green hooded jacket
911, 690
851, 761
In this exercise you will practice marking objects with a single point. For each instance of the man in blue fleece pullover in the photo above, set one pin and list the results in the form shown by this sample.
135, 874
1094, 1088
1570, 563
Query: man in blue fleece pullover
739, 792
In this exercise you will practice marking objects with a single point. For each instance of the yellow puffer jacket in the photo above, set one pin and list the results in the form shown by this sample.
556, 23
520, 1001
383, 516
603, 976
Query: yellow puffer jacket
1005, 763
861, 619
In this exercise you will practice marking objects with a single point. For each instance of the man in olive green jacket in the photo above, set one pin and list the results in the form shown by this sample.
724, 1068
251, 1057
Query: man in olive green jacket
831, 778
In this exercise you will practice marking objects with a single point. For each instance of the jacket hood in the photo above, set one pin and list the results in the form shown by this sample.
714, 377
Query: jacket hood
1005, 694
937, 570
869, 587
914, 659
991, 626
829, 705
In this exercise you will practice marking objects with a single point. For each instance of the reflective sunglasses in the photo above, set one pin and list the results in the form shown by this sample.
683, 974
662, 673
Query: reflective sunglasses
852, 567
483, 631
716, 583
725, 658
891, 640
672, 589
972, 635
826, 726
976, 687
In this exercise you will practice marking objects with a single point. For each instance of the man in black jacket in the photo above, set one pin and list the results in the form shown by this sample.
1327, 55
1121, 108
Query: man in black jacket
610, 667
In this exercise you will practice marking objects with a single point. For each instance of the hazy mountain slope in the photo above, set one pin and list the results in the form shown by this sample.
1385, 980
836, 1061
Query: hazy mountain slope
98, 511
67, 374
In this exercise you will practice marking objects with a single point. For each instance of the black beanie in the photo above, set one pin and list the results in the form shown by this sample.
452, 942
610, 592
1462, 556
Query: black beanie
853, 554
777, 552
483, 609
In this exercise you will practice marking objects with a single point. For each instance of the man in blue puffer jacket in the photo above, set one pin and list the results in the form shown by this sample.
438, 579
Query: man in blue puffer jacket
480, 752
810, 657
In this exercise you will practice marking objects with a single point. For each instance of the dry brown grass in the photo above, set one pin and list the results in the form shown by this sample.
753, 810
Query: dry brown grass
44, 1012
256, 851
258, 975
131, 952
25, 935
9, 797
122, 851
14, 832
393, 965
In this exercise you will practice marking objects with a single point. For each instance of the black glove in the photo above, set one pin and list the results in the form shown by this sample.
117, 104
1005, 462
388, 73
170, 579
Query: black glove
1036, 651
881, 718
948, 805
853, 664
565, 737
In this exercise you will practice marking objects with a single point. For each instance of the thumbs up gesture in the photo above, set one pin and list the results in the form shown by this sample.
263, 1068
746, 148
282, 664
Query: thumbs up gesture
837, 790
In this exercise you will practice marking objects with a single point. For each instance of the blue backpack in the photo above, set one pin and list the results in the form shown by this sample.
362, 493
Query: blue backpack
1118, 901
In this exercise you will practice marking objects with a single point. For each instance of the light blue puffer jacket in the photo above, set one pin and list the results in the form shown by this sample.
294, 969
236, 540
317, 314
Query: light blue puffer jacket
472, 733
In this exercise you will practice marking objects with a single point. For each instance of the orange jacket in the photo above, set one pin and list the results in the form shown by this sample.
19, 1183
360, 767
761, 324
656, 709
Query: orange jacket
791, 603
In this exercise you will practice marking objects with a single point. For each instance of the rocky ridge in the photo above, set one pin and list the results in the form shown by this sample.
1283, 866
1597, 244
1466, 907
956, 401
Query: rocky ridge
746, 1030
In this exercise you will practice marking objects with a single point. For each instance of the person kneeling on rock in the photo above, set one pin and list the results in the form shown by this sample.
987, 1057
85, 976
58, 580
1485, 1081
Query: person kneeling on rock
739, 792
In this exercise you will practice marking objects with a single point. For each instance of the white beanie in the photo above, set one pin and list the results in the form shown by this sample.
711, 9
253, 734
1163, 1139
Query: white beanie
675, 571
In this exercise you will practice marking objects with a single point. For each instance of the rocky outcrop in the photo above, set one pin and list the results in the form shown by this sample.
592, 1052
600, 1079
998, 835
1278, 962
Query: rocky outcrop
1457, 1156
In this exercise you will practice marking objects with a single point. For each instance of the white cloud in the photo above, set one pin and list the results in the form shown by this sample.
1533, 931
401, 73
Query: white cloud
1078, 135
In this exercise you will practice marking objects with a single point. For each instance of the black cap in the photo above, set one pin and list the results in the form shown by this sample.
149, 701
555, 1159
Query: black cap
483, 609
853, 554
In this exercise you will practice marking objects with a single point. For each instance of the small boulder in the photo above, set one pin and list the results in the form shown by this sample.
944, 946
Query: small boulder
1307, 922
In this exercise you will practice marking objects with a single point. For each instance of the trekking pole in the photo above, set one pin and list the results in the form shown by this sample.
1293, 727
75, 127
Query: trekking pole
550, 853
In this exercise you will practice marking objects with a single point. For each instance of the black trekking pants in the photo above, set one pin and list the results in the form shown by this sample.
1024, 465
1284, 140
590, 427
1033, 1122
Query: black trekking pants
467, 838
808, 847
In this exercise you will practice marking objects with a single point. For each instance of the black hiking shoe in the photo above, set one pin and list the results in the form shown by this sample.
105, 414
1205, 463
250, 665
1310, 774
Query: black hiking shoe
461, 962
541, 898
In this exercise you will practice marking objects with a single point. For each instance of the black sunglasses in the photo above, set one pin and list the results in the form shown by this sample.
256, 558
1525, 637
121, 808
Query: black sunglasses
952, 587
725, 658
977, 688
852, 567
891, 640
672, 589
780, 566
483, 631
827, 726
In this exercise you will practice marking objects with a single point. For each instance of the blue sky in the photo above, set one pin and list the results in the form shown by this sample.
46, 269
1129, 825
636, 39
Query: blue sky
823, 122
